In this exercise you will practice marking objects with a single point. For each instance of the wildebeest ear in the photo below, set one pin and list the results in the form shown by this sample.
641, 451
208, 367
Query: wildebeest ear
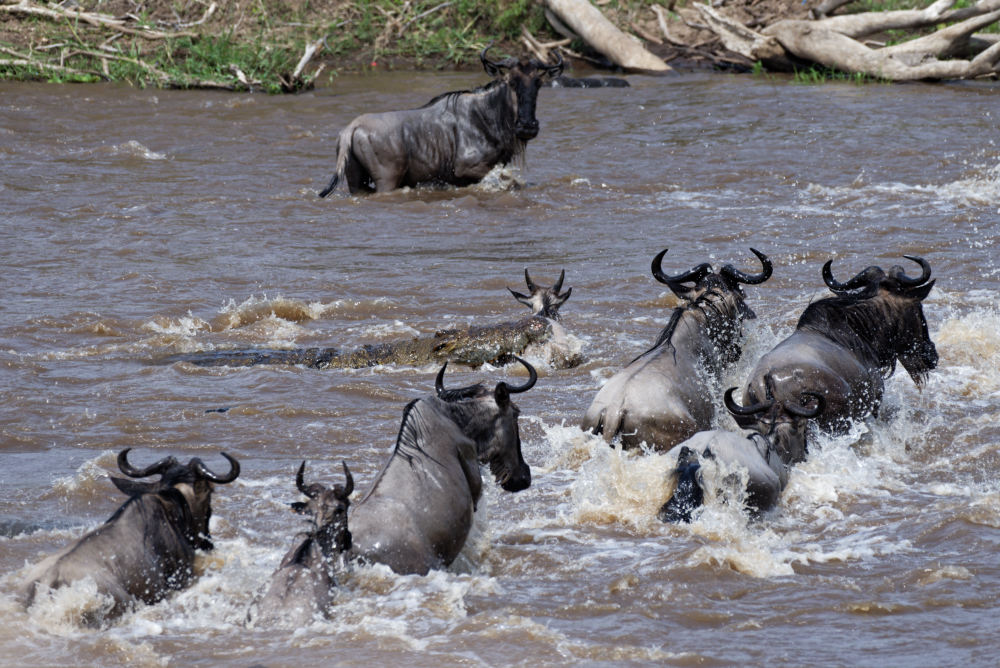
920, 292
299, 506
135, 487
521, 297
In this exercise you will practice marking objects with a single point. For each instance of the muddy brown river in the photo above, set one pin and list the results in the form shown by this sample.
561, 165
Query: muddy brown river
140, 224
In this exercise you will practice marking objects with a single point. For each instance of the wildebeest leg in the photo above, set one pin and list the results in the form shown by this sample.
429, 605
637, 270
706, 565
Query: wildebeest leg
358, 178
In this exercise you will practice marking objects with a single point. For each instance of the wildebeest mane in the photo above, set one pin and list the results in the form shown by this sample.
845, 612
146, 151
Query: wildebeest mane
863, 325
701, 302
174, 506
407, 441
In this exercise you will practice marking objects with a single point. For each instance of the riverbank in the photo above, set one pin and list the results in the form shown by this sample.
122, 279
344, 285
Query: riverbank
278, 46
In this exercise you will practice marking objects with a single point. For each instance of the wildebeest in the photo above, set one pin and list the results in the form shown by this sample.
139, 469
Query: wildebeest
418, 512
665, 395
147, 548
456, 138
474, 345
843, 347
302, 588
762, 456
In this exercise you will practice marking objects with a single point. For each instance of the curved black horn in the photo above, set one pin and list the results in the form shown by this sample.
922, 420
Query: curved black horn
207, 474
558, 64
300, 482
153, 469
750, 279
482, 56
532, 377
802, 411
695, 274
906, 281
439, 380
736, 409
864, 279
528, 281
558, 284
349, 487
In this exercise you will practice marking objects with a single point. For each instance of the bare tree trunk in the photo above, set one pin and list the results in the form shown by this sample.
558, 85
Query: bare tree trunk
833, 42
587, 21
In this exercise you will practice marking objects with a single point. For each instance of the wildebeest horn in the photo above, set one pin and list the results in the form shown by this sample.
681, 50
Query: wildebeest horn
749, 279
557, 67
866, 278
439, 380
802, 411
234, 470
558, 284
695, 274
736, 409
300, 482
532, 377
528, 281
153, 469
907, 282
344, 492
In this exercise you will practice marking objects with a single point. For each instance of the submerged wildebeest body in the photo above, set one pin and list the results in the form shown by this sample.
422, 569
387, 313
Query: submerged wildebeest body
758, 461
455, 139
472, 346
665, 395
845, 346
301, 589
587, 82
147, 548
418, 512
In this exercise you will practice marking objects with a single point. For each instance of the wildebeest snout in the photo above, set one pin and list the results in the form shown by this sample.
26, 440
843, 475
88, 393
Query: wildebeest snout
526, 130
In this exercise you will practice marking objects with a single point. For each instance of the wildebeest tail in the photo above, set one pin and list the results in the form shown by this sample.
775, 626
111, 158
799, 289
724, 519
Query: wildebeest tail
343, 154
688, 494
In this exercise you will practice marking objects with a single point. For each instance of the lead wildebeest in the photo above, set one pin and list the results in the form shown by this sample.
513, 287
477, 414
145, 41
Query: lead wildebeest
301, 589
456, 138
665, 395
758, 460
147, 548
418, 512
843, 347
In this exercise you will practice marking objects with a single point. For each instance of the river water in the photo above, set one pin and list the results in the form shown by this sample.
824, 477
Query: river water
137, 224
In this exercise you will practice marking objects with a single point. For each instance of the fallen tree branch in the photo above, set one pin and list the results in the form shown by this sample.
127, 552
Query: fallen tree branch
587, 21
56, 13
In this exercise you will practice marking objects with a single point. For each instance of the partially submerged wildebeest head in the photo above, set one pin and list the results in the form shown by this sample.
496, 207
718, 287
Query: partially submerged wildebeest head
456, 138
845, 346
418, 512
665, 395
541, 300
301, 589
147, 547
759, 460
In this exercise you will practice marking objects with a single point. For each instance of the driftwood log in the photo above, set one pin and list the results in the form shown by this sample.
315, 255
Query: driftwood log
589, 23
952, 51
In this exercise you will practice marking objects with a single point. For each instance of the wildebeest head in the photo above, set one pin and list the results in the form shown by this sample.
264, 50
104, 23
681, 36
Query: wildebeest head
900, 301
717, 294
543, 301
784, 424
524, 77
327, 509
490, 419
191, 482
